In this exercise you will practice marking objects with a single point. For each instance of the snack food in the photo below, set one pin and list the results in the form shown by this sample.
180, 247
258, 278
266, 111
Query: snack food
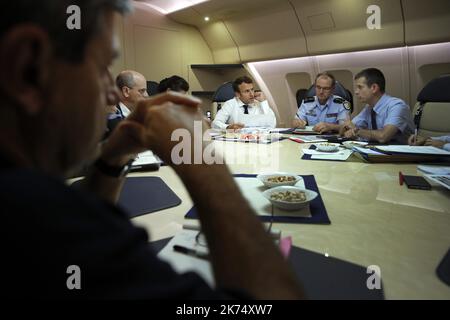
289, 196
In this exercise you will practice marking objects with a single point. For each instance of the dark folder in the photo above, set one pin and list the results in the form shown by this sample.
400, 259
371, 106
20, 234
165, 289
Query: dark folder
324, 277
143, 195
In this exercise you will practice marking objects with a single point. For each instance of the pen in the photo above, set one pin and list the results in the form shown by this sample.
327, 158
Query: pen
415, 136
400, 178
296, 140
190, 252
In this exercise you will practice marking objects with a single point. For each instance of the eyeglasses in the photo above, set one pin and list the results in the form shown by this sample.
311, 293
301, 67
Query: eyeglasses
318, 88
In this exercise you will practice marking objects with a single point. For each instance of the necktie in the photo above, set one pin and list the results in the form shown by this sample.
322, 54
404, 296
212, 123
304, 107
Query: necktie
245, 109
373, 115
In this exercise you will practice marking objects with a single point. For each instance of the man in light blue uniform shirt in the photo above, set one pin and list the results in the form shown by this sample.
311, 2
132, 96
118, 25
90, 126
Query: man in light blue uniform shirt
324, 111
442, 142
384, 119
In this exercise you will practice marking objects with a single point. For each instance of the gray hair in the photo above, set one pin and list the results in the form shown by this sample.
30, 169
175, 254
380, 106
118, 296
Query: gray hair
52, 16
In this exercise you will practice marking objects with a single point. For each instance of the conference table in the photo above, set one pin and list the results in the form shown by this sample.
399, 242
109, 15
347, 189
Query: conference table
374, 220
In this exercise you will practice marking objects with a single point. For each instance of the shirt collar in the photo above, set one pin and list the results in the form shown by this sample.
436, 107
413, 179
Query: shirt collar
380, 103
124, 108
328, 103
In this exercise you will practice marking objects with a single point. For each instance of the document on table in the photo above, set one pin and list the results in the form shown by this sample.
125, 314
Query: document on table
342, 154
429, 169
414, 150
443, 180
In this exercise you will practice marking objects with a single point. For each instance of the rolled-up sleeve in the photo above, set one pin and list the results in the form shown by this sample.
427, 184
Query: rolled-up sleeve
360, 120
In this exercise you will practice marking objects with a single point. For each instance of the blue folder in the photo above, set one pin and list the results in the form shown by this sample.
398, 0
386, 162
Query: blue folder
319, 213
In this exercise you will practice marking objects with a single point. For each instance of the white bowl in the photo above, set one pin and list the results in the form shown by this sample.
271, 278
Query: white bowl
351, 144
286, 205
270, 184
327, 147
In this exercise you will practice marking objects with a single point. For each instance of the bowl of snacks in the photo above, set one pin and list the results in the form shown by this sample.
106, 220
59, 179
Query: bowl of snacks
289, 198
278, 179
328, 147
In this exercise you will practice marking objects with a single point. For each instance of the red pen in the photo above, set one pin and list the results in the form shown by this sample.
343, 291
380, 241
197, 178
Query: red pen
296, 140
400, 178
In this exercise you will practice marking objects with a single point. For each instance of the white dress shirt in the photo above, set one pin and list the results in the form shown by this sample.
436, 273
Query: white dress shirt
259, 115
124, 110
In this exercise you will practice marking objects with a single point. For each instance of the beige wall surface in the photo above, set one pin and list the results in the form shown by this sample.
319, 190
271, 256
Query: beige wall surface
158, 47
407, 70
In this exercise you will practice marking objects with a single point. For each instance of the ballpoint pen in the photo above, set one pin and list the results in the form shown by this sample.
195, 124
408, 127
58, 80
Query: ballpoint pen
190, 252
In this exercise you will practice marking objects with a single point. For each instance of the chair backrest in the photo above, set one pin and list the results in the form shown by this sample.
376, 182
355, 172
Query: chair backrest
224, 93
339, 90
432, 111
152, 87
300, 95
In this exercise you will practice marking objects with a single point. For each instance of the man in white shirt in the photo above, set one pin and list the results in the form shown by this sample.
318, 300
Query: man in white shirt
247, 109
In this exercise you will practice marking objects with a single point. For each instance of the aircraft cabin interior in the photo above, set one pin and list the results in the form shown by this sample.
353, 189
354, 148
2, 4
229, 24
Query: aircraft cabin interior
355, 212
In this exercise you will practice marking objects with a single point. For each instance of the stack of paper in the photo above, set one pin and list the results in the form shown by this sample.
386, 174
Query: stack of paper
439, 170
342, 154
414, 150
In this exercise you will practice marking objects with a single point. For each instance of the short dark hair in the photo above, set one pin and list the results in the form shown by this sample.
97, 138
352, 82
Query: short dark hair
174, 83
373, 76
327, 75
52, 16
239, 81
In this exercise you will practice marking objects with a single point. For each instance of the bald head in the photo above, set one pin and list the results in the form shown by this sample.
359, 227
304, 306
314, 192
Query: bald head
132, 87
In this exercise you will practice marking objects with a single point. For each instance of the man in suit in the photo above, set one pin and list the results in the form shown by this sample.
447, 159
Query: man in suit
132, 88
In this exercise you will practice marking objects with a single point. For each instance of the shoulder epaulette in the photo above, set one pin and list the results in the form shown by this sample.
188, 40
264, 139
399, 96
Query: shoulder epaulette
347, 105
309, 99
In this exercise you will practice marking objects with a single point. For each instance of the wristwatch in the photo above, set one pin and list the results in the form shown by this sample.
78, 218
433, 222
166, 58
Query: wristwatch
113, 171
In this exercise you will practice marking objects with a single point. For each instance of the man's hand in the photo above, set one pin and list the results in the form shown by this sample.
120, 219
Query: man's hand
434, 143
260, 96
345, 127
299, 123
235, 126
351, 133
150, 126
420, 141
323, 127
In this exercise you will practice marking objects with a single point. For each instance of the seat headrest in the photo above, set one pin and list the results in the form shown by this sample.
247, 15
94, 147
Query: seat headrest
224, 93
437, 90
152, 87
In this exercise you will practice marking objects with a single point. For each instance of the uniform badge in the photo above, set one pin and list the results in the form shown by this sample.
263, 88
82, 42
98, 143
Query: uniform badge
347, 105
309, 99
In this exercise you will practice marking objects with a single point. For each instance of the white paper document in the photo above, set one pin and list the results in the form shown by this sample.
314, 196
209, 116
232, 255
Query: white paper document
369, 151
416, 150
183, 262
429, 169
145, 158
443, 180
341, 155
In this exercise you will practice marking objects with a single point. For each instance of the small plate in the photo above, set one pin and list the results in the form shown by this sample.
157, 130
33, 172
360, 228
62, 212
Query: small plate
328, 147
